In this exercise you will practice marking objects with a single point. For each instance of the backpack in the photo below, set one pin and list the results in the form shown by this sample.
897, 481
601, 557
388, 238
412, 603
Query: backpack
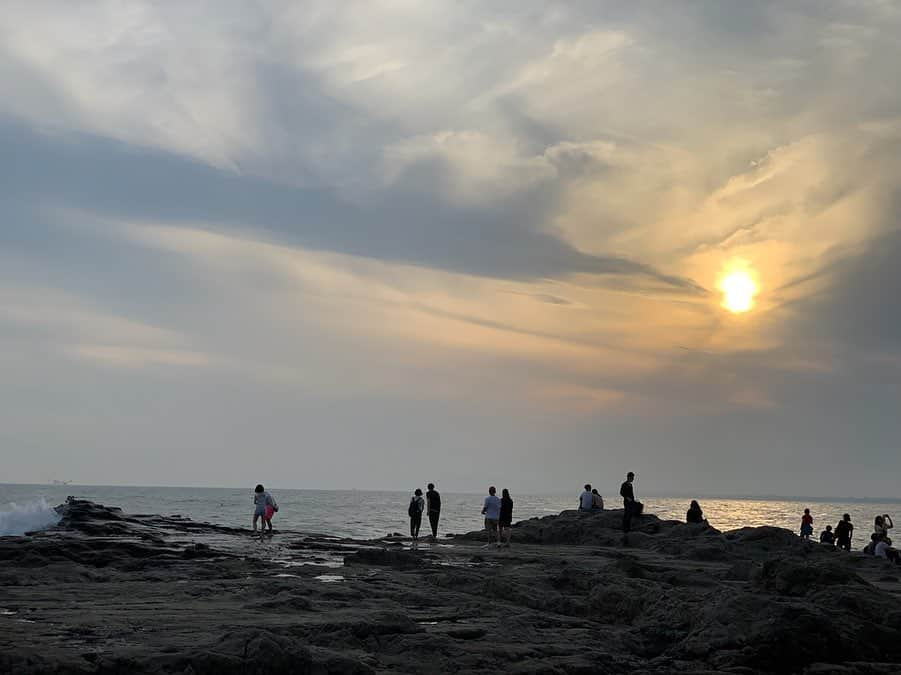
413, 509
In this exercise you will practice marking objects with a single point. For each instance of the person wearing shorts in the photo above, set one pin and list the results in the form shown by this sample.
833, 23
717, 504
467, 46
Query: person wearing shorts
491, 509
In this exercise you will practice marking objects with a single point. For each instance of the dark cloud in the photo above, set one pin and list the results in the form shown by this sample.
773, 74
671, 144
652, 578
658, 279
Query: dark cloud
858, 309
404, 224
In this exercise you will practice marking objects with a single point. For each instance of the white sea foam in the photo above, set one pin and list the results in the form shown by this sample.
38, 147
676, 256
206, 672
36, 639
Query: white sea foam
17, 519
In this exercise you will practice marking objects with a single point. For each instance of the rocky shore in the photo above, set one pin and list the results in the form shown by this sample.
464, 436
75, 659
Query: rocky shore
108, 592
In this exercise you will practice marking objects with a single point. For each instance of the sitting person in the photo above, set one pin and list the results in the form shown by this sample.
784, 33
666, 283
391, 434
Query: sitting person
695, 514
827, 536
883, 549
597, 502
586, 499
870, 549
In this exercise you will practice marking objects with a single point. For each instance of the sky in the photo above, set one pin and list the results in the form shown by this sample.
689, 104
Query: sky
375, 244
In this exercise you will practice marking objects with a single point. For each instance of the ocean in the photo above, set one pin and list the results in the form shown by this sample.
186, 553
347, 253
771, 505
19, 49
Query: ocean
364, 514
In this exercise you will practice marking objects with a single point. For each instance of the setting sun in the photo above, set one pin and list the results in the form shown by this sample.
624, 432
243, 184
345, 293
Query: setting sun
738, 290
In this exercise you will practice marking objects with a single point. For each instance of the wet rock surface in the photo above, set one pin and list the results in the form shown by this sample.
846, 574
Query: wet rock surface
108, 592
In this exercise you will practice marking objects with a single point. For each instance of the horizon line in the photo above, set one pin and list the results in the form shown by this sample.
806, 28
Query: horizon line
650, 495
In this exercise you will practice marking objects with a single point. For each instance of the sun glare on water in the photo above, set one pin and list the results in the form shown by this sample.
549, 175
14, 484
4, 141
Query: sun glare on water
738, 290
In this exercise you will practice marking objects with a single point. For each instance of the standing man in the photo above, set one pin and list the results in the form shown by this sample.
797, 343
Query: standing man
843, 532
628, 495
433, 506
491, 509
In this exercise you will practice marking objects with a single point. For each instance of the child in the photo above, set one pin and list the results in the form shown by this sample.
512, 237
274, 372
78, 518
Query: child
264, 507
806, 524
827, 536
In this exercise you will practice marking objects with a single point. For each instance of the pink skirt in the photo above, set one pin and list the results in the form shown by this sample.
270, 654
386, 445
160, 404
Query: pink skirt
269, 512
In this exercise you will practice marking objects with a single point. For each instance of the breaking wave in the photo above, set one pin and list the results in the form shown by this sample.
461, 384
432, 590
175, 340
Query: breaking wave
17, 519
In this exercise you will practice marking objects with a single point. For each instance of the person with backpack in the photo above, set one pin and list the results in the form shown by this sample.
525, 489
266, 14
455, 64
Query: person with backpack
843, 532
414, 510
433, 508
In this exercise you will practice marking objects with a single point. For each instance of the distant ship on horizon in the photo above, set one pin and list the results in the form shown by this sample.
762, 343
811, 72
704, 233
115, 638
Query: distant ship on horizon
61, 482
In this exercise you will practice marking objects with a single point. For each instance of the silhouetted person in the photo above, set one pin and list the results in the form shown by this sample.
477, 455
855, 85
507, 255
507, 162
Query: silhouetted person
843, 532
882, 525
806, 524
597, 502
506, 519
695, 514
433, 507
827, 536
417, 505
628, 495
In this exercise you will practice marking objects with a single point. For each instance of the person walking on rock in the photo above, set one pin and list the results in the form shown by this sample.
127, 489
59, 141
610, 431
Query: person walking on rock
263, 508
505, 523
491, 509
843, 532
628, 494
414, 510
433, 507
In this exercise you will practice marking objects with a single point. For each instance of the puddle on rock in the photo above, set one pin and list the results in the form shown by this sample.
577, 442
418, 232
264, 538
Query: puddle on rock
329, 578
7, 612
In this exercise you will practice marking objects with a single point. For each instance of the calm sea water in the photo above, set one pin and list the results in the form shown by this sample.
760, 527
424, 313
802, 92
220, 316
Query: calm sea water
372, 514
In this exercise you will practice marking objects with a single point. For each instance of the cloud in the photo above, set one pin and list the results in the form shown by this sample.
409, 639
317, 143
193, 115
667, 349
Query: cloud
401, 226
479, 230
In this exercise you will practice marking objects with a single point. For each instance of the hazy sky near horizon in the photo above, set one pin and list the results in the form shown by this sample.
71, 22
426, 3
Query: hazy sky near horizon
372, 244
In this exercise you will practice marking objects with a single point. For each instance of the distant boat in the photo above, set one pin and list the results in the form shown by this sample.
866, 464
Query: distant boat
62, 482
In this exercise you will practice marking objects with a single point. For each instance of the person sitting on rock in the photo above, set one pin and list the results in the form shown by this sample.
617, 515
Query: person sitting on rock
806, 524
883, 549
843, 532
827, 536
597, 502
870, 549
491, 509
586, 499
695, 514
882, 525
